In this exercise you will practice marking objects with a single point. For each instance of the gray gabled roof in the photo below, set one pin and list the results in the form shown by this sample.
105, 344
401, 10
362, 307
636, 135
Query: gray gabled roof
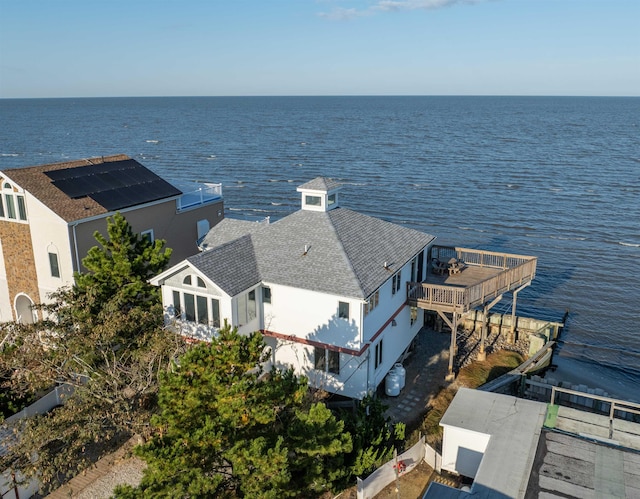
232, 265
346, 252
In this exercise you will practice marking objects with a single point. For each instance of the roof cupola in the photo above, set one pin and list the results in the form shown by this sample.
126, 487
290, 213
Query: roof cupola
320, 194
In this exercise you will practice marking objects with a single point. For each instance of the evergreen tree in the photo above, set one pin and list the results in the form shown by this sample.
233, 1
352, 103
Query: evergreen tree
224, 425
374, 437
104, 337
120, 267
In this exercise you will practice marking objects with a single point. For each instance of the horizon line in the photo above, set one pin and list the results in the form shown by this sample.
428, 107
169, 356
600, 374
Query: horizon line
313, 95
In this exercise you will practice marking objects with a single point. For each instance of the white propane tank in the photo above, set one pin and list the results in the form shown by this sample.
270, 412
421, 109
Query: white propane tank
401, 372
392, 384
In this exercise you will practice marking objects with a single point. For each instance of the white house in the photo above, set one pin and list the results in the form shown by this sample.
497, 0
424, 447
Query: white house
325, 285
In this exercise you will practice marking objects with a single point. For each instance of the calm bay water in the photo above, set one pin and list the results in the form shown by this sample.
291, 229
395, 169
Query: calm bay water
558, 178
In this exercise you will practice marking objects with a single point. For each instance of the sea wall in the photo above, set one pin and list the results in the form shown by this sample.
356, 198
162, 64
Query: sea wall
523, 327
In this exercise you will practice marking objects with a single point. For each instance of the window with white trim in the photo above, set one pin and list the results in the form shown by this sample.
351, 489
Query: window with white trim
313, 200
326, 360
54, 264
372, 302
378, 355
148, 235
189, 279
247, 307
414, 269
12, 204
266, 294
196, 308
343, 310
395, 283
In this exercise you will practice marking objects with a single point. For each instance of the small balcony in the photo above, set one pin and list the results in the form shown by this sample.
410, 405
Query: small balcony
197, 194
478, 277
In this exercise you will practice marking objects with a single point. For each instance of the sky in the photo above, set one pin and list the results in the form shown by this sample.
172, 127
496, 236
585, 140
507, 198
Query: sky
105, 48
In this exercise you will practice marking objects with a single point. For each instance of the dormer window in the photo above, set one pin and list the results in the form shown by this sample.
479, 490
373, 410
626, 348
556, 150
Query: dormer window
331, 200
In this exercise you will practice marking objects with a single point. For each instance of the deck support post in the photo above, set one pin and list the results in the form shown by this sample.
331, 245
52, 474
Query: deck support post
511, 338
482, 355
453, 324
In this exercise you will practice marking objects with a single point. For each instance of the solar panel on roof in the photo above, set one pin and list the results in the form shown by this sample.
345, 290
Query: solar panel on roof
114, 185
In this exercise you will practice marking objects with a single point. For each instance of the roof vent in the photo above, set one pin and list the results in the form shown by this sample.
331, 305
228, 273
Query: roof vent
306, 249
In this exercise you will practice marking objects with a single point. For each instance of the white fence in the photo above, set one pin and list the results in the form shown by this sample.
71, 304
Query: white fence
390, 471
9, 478
43, 405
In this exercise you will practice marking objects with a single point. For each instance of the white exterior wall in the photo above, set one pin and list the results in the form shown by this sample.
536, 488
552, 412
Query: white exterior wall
462, 450
311, 319
49, 233
252, 325
396, 338
313, 316
351, 382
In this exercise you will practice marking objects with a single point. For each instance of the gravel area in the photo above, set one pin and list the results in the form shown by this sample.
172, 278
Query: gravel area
127, 472
99, 480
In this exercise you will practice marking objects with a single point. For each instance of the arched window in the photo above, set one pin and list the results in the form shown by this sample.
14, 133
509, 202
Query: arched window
12, 204
188, 281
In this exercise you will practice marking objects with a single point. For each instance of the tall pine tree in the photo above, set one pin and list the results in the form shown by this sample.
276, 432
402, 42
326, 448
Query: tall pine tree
225, 425
119, 269
104, 337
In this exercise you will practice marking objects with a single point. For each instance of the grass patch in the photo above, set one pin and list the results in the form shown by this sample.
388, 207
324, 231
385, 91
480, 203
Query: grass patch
497, 364
472, 376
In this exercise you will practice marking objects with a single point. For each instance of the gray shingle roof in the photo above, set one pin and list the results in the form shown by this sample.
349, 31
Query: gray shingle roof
346, 252
228, 230
321, 184
232, 265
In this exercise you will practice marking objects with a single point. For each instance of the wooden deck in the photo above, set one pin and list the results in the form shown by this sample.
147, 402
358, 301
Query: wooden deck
487, 276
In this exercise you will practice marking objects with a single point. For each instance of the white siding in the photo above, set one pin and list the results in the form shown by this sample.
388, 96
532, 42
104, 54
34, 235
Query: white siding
462, 450
396, 338
313, 316
351, 382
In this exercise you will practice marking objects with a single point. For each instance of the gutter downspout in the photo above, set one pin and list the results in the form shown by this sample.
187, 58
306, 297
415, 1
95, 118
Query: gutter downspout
75, 246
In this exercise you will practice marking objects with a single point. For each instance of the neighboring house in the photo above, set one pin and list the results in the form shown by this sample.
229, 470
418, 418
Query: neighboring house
326, 286
49, 214
522, 449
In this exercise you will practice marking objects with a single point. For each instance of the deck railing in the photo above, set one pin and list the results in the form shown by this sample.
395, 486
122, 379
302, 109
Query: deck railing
437, 296
479, 258
197, 194
517, 270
